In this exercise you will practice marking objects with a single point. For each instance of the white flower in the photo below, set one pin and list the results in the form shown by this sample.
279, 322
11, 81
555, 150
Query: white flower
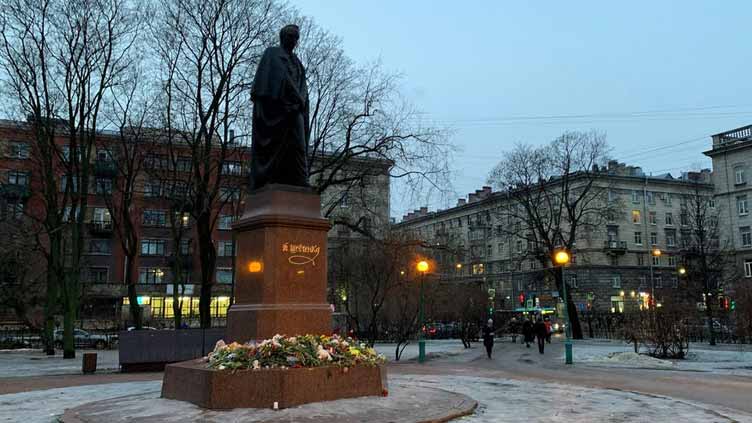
256, 364
293, 340
323, 354
362, 345
221, 367
219, 345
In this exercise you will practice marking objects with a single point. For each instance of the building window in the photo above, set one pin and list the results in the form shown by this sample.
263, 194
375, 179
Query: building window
668, 199
227, 194
101, 215
638, 238
739, 175
183, 164
741, 205
653, 238
640, 259
17, 177
153, 247
573, 281
670, 238
224, 275
155, 218
684, 219
748, 268
674, 282
182, 219
103, 186
489, 250
651, 218
650, 197
636, 197
148, 275
98, 275
226, 221
636, 216
478, 269
672, 261
616, 281
617, 304
153, 189
656, 260
225, 249
669, 219
232, 168
658, 280
746, 236
14, 209
18, 150
643, 282
185, 247
100, 247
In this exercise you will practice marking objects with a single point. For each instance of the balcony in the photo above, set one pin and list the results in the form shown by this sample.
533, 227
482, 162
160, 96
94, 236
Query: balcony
15, 191
615, 247
105, 168
100, 227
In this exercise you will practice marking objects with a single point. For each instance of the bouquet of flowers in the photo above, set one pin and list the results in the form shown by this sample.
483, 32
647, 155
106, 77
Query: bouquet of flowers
294, 351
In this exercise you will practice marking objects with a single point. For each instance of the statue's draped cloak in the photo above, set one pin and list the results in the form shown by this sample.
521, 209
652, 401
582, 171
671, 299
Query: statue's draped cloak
280, 121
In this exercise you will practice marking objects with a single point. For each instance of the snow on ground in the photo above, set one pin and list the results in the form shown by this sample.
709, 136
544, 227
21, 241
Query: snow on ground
434, 349
36, 363
26, 362
500, 400
726, 359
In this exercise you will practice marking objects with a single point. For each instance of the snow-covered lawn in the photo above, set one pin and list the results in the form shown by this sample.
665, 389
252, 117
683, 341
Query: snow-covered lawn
434, 349
500, 400
727, 359
36, 363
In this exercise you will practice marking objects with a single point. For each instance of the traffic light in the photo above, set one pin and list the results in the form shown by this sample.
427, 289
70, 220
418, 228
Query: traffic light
733, 305
521, 297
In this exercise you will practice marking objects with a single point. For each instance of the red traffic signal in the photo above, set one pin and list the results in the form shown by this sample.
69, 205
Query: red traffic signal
521, 298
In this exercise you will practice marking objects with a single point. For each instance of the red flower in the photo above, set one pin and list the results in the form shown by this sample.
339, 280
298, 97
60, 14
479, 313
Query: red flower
384, 393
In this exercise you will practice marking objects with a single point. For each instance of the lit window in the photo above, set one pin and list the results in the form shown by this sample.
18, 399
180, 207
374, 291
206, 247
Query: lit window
636, 216
616, 281
225, 249
748, 268
224, 275
153, 247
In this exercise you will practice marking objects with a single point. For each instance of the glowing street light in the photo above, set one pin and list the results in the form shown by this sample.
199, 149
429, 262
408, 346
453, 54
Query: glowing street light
656, 252
422, 267
682, 271
561, 258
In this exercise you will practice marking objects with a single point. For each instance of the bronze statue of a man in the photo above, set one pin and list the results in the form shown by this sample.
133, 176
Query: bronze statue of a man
280, 116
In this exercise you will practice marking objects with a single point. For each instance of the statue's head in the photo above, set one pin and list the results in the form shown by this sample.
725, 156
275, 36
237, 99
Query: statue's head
289, 36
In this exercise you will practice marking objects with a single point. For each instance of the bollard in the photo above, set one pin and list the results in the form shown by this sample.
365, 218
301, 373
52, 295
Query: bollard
89, 364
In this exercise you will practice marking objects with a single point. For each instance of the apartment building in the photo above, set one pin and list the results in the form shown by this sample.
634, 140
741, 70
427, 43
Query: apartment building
611, 264
104, 301
731, 154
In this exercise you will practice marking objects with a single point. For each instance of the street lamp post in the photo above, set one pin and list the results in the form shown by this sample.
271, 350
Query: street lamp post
422, 267
656, 252
561, 257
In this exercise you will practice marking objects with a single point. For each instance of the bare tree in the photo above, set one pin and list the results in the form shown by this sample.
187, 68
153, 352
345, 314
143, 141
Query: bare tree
208, 52
555, 194
366, 274
21, 280
707, 262
129, 108
362, 128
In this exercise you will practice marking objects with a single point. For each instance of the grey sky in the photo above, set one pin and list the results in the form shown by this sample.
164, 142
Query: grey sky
501, 72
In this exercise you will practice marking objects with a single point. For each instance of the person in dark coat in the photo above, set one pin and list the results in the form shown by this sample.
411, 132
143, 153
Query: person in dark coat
527, 332
488, 337
541, 333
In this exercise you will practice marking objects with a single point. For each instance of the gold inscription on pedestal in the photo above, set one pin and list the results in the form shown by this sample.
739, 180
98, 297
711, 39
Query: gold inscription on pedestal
300, 254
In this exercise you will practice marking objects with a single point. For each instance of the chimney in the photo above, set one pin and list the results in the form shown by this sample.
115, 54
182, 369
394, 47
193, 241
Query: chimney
472, 197
461, 202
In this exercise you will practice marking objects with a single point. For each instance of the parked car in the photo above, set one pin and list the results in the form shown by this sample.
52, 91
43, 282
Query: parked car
83, 339
142, 328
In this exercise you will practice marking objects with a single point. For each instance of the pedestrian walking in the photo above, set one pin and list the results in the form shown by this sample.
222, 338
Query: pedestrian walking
540, 333
547, 322
527, 332
488, 336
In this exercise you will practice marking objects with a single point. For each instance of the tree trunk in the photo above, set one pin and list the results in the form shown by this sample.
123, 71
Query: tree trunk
51, 300
69, 317
709, 317
133, 306
208, 255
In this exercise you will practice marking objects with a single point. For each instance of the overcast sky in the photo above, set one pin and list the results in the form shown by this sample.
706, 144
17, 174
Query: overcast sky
658, 77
